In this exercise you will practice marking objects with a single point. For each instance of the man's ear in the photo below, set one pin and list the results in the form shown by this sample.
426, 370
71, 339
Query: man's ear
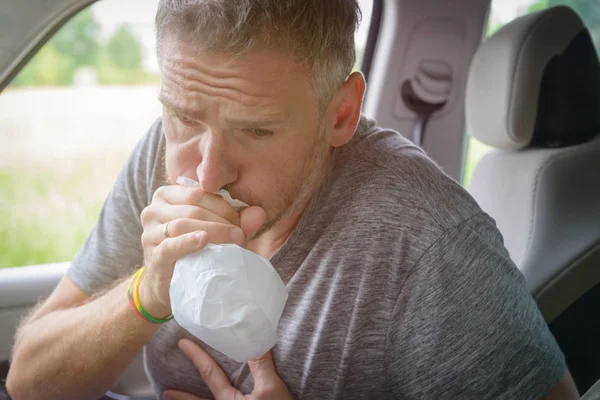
344, 109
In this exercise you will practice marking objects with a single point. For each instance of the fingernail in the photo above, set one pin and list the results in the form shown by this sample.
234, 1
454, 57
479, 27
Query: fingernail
200, 236
184, 345
181, 343
237, 236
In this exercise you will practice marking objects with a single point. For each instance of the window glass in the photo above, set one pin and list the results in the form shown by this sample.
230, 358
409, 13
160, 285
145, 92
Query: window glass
366, 7
504, 11
69, 120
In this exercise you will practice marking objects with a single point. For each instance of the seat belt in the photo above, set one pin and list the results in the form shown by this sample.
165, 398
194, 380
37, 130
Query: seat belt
425, 94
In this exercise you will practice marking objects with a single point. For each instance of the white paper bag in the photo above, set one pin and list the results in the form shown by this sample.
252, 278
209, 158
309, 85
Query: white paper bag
228, 297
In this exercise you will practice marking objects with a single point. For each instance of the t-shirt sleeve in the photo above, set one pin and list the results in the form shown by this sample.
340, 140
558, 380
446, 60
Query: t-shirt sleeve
465, 326
113, 249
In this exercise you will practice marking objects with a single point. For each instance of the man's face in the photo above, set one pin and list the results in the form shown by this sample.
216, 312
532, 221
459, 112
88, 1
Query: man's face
247, 124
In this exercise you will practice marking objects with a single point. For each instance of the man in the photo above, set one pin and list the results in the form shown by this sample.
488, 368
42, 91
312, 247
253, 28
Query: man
399, 285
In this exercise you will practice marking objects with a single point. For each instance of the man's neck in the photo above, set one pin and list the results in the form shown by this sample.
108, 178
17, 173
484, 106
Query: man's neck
269, 242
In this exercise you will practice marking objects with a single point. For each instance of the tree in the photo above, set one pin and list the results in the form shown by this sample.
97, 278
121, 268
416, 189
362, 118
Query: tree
78, 39
48, 68
120, 60
74, 45
539, 5
124, 49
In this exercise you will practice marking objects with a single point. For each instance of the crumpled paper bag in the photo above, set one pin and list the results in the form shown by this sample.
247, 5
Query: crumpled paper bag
228, 297
235, 203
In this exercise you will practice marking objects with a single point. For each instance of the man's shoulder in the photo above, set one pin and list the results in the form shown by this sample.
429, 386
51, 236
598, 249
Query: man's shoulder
152, 143
146, 161
144, 170
384, 171
113, 247
377, 153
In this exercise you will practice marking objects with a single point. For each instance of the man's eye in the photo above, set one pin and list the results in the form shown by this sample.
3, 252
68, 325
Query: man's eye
185, 120
261, 132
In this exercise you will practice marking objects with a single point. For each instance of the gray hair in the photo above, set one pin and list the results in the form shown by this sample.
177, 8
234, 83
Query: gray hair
319, 34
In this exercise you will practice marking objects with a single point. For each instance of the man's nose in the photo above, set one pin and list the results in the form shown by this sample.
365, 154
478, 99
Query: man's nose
216, 168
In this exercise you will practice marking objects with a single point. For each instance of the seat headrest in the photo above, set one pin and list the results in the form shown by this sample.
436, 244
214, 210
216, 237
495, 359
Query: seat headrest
535, 82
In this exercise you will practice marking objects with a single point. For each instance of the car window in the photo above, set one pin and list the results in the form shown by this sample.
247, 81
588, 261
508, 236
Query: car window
504, 11
68, 121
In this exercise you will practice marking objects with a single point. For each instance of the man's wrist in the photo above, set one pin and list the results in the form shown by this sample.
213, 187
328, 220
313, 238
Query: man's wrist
150, 302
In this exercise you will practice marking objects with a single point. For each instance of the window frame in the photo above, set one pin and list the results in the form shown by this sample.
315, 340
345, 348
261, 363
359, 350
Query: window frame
36, 45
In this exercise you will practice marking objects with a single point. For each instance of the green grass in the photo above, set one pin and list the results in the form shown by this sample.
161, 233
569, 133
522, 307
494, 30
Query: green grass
46, 216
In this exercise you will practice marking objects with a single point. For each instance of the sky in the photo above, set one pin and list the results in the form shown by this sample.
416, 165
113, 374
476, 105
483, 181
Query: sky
139, 15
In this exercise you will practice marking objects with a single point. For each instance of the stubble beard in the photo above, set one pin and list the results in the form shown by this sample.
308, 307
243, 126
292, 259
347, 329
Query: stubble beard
314, 171
296, 197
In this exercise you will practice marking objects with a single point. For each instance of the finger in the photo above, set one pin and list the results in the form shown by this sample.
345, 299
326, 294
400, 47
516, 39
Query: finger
251, 219
217, 233
178, 395
166, 212
209, 370
155, 222
173, 249
187, 195
263, 370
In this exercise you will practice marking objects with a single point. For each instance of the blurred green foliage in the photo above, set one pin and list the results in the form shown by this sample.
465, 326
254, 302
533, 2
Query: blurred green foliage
117, 61
120, 60
77, 39
40, 224
48, 68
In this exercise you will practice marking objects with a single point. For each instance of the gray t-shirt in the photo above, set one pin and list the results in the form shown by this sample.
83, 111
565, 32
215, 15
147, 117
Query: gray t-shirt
399, 285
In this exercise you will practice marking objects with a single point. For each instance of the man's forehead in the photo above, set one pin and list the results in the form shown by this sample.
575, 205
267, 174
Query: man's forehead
257, 64
229, 111
191, 84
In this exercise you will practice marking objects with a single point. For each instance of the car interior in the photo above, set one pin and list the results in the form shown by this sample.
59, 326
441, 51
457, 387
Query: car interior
450, 77
532, 83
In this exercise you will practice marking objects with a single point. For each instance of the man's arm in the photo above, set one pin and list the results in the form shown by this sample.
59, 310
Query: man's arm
565, 389
76, 347
70, 350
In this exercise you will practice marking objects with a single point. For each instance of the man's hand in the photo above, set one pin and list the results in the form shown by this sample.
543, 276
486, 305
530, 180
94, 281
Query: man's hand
267, 384
180, 221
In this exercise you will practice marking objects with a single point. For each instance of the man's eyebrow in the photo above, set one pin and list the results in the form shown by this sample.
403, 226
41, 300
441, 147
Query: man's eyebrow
246, 123
254, 123
188, 113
